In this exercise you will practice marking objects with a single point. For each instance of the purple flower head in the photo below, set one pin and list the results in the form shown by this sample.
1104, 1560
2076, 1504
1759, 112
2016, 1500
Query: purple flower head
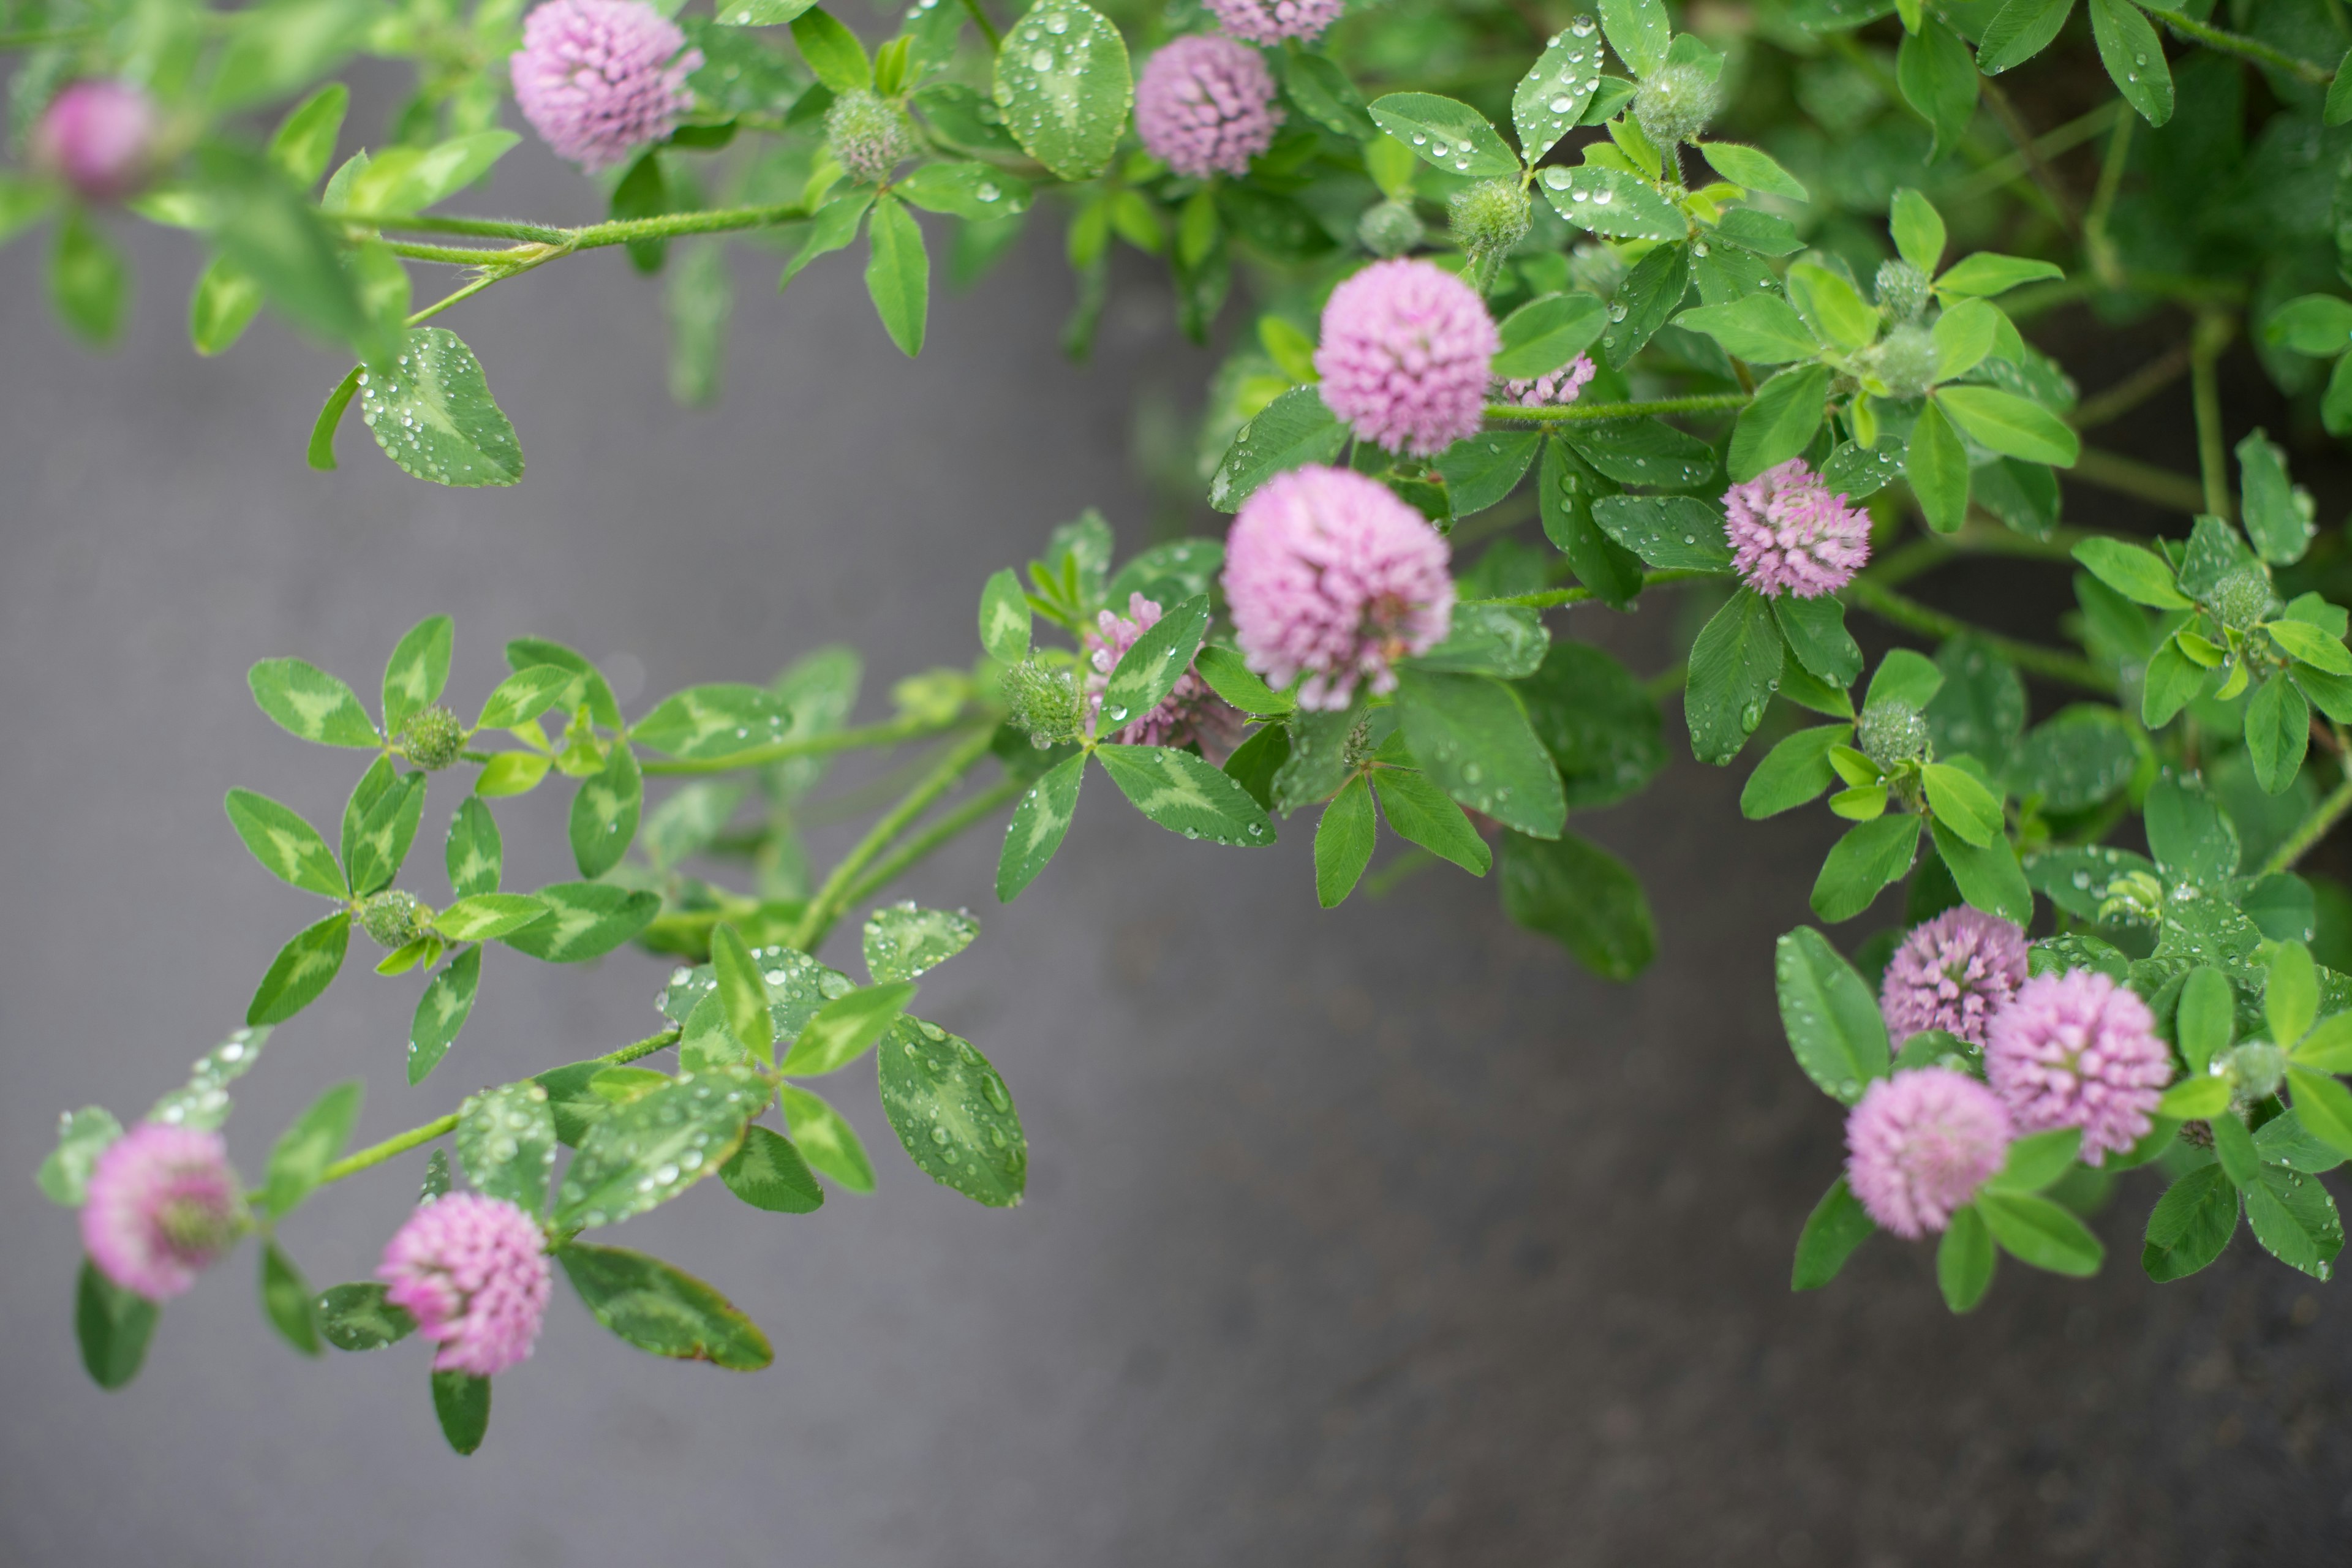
1953, 972
1556, 390
1189, 713
472, 1271
98, 137
2078, 1050
600, 78
1789, 535
1404, 356
1204, 105
162, 1206
1919, 1144
1271, 21
1328, 573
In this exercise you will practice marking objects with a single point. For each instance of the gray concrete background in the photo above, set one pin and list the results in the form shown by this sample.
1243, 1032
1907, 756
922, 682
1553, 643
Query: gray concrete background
1379, 1236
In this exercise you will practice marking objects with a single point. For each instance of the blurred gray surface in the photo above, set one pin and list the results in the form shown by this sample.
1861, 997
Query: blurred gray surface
1381, 1237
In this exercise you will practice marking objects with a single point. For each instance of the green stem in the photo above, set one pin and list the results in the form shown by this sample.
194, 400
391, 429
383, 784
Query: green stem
442, 1126
2314, 828
2104, 259
2049, 144
1912, 616
987, 28
913, 728
2128, 476
52, 36
1552, 598
834, 895
2132, 391
2030, 149
2213, 333
449, 255
465, 293
479, 227
2248, 49
946, 827
1584, 412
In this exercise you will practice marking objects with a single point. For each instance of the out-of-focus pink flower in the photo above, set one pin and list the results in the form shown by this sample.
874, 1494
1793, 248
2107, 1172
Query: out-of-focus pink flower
1271, 21
1189, 713
1204, 105
1404, 356
163, 1206
1556, 390
2078, 1050
1953, 972
600, 78
472, 1271
1919, 1144
98, 137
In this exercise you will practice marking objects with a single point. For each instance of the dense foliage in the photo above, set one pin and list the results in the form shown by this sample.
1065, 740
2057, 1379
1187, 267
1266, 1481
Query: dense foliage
1744, 313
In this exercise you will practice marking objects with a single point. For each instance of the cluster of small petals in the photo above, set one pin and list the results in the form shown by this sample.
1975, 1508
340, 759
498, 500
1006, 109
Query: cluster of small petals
1953, 972
1556, 390
1191, 712
1789, 535
600, 78
472, 1271
1204, 105
1919, 1144
1330, 573
1271, 21
163, 1206
1404, 357
97, 136
2079, 1050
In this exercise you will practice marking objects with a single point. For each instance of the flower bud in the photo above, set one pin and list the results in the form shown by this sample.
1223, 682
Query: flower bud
1902, 289
1491, 216
432, 737
1044, 701
1905, 361
869, 135
2257, 1068
1390, 228
1675, 105
98, 137
392, 918
2244, 599
1893, 733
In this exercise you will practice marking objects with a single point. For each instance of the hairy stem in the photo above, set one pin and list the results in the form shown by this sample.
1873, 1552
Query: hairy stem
1584, 412
2213, 333
1912, 616
914, 727
834, 895
2133, 390
2313, 828
987, 28
442, 1126
949, 824
2030, 149
2245, 47
2127, 475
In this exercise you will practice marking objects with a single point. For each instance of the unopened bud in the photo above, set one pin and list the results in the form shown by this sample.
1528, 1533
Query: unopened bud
392, 918
1491, 216
1902, 289
2244, 598
1044, 700
1390, 228
1893, 733
1904, 360
1676, 104
98, 137
869, 135
2257, 1068
432, 737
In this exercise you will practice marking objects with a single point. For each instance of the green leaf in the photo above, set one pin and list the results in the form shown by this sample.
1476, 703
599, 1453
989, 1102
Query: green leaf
305, 1150
2319, 325
1419, 813
203, 1101
762, 13
2296, 1220
2329, 1046
898, 272
1612, 202
114, 1326
89, 282
1552, 97
2036, 1161
266, 227
2171, 681
769, 1173
1581, 896
2338, 106
2311, 645
2323, 1106
1343, 842
2188, 832
304, 142
1833, 1020
474, 854
953, 1115
1987, 875
1937, 467
357, 1318
2134, 56
902, 941
2277, 517
525, 695
1642, 452
1760, 328
222, 305
304, 969
2007, 423
660, 1308
2234, 1146
2285, 1140
372, 856
486, 917
1185, 795
1472, 737
1565, 491
833, 51
1038, 826
1795, 771
506, 1139
825, 1139
844, 1027
1151, 668
441, 1012
288, 847
742, 993
461, 1402
1965, 1259
705, 722
1064, 83
82, 1136
309, 703
1451, 135
1005, 619
1753, 168
417, 670
1961, 804
1293, 430
433, 415
1831, 306
1938, 76
1233, 679
412, 179
649, 1150
1904, 677
2190, 1224
1815, 632
2206, 1019
1602, 727
1964, 335
1836, 1226
1640, 32
323, 432
2195, 1099
1674, 532
604, 814
1986, 273
2278, 730
586, 920
1780, 422
1869, 858
2039, 1234
286, 1300
1735, 666
1504, 640
1545, 334
1481, 470
834, 226
2134, 571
